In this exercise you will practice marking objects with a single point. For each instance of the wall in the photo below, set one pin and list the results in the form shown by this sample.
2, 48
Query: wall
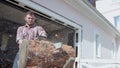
109, 10
63, 9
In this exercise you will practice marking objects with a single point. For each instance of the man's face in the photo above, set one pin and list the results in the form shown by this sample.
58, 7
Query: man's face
29, 19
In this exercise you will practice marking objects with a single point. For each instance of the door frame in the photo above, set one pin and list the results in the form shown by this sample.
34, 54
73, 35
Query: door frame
54, 15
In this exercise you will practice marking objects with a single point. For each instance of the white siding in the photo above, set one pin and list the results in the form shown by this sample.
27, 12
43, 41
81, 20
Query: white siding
64, 9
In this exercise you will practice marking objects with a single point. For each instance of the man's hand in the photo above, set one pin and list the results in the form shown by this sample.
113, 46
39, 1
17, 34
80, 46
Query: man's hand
20, 42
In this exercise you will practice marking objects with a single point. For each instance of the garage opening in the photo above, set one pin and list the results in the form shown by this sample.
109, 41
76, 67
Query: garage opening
12, 16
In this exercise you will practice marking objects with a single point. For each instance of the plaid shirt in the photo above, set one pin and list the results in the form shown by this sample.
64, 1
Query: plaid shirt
30, 33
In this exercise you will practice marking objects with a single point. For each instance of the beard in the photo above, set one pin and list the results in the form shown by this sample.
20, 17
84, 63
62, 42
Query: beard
30, 23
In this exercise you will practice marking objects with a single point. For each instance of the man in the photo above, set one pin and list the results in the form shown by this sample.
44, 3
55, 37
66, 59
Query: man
29, 31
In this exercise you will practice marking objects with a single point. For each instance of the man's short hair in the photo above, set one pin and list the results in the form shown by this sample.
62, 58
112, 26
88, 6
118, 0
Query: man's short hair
29, 12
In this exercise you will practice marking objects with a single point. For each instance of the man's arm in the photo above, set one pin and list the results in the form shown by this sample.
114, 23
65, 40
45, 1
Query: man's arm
41, 38
19, 36
41, 33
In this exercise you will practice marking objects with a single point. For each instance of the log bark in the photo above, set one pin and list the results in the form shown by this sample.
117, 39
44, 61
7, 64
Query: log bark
23, 54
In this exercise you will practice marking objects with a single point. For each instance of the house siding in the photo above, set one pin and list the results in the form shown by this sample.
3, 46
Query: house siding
89, 27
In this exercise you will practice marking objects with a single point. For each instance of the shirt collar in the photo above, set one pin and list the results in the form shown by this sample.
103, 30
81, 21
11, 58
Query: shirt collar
29, 26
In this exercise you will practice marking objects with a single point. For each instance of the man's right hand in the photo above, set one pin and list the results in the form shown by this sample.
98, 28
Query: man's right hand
20, 42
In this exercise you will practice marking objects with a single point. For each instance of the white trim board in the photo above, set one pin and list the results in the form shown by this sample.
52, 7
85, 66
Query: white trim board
49, 12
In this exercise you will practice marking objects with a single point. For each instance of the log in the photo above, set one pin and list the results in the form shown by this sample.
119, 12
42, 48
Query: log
43, 54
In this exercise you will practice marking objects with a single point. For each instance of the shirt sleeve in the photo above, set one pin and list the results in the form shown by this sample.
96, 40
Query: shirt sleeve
19, 34
41, 32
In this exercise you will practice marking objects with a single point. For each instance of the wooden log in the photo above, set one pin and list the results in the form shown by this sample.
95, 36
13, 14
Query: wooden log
42, 54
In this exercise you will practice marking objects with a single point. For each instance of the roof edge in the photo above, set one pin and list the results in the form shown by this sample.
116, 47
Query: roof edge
92, 13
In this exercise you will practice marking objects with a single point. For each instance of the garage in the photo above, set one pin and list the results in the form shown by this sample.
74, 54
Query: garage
12, 16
